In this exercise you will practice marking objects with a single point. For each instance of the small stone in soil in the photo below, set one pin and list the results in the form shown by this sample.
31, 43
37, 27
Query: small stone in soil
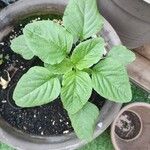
65, 132
53, 123
2, 43
4, 101
42, 133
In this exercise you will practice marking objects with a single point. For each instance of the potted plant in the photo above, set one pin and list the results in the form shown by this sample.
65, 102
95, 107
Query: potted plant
130, 128
64, 63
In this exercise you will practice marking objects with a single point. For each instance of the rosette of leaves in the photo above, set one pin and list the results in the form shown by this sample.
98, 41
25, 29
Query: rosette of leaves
74, 65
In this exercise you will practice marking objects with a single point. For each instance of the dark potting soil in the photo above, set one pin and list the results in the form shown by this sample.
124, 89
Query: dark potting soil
128, 125
50, 119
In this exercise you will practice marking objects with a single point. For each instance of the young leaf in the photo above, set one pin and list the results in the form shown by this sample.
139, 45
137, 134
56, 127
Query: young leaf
111, 81
19, 46
84, 121
122, 54
76, 90
82, 19
36, 87
88, 53
61, 68
48, 40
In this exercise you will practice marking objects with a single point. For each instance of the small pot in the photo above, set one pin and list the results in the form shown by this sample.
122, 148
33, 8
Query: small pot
22, 141
130, 19
130, 130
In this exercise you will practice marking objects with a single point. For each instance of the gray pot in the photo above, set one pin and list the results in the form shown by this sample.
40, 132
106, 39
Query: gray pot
141, 113
8, 18
130, 19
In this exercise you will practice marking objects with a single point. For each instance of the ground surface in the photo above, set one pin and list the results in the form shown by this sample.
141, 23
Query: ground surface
103, 142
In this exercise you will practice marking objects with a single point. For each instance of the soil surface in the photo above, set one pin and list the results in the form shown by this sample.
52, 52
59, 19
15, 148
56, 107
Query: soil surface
128, 125
50, 119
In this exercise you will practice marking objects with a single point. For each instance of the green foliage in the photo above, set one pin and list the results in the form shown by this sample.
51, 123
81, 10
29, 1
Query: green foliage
84, 121
88, 53
5, 147
48, 40
139, 95
37, 87
62, 68
122, 54
69, 65
82, 19
111, 81
76, 90
19, 46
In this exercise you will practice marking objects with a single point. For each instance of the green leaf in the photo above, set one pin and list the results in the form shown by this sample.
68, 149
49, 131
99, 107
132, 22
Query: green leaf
62, 68
122, 54
48, 40
19, 46
5, 147
82, 19
76, 90
88, 53
84, 121
110, 80
37, 87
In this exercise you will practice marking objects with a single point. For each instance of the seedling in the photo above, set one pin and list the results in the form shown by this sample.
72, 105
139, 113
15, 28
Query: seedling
74, 65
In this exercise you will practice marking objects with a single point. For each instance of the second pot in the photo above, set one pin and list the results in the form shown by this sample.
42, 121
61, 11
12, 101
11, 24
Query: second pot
130, 19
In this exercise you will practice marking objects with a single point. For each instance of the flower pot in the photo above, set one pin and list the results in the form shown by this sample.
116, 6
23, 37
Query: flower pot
11, 16
130, 130
130, 19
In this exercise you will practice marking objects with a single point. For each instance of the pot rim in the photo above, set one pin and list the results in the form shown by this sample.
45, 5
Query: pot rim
127, 108
64, 142
139, 9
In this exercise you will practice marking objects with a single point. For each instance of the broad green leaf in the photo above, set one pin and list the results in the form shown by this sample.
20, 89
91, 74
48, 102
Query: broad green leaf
84, 121
82, 19
37, 87
76, 90
61, 68
110, 80
88, 53
48, 40
122, 54
19, 46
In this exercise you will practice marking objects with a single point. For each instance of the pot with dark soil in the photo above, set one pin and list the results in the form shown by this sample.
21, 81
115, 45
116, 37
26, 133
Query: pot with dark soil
57, 74
130, 130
